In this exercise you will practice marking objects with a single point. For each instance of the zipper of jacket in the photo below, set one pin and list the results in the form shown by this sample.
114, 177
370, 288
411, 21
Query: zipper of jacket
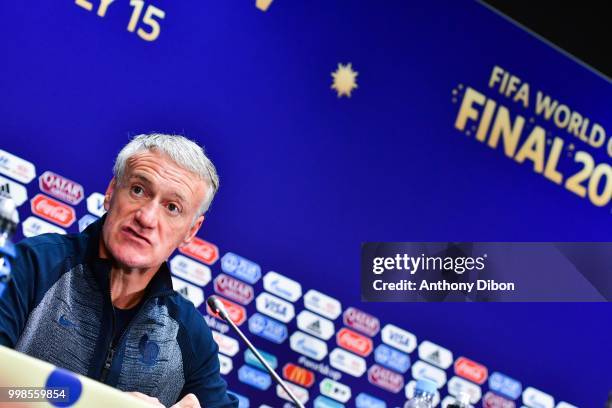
111, 351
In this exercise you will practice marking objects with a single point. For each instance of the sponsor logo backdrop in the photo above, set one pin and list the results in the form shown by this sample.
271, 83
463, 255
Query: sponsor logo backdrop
308, 173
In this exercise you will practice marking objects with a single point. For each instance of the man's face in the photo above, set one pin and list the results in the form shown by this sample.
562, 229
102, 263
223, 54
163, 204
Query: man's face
151, 211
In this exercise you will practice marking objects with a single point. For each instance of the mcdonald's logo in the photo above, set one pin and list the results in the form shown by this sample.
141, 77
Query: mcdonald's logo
298, 375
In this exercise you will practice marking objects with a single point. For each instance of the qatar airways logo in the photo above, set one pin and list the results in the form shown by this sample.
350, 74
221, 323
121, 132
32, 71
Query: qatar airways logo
61, 187
413, 264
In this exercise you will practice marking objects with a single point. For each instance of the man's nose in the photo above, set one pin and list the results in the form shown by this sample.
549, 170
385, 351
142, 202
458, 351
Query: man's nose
147, 215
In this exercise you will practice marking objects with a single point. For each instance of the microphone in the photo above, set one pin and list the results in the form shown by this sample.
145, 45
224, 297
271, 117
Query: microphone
219, 308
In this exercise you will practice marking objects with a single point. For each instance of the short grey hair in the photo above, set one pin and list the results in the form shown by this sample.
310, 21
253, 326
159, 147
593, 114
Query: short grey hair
184, 152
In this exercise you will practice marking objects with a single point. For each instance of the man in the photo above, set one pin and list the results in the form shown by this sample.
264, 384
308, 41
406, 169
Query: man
101, 303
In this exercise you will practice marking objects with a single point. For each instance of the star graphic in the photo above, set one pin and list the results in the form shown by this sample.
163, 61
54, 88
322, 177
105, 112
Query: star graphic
263, 4
344, 80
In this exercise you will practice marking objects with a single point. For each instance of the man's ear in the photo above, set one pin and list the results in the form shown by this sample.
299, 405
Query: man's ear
109, 193
193, 231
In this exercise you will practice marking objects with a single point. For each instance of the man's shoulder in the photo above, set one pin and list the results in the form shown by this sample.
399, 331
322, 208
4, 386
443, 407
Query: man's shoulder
47, 240
52, 246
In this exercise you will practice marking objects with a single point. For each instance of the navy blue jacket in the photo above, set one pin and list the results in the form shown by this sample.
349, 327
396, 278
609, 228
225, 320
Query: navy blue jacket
57, 308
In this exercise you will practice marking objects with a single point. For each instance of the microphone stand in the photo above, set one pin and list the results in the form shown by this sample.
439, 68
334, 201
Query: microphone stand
219, 308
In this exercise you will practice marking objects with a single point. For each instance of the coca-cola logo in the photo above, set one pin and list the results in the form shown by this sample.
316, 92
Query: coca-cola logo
53, 210
471, 370
354, 342
201, 250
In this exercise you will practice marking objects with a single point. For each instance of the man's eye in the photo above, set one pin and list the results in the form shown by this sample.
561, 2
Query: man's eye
174, 208
137, 190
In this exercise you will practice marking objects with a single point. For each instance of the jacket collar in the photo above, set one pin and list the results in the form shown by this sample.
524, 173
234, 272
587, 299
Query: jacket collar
160, 285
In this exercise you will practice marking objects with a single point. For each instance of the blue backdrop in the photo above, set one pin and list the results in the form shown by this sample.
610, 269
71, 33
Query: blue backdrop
307, 176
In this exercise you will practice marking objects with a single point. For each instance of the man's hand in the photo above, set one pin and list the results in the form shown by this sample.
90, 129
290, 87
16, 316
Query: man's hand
151, 400
188, 401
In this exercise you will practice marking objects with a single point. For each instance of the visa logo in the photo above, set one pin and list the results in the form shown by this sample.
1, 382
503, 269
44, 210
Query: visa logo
399, 338
275, 307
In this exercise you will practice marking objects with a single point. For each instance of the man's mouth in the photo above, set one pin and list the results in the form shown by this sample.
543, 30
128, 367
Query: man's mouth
132, 233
